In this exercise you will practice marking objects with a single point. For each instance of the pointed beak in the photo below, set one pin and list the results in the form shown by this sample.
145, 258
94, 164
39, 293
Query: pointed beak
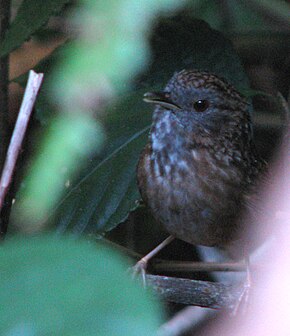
160, 98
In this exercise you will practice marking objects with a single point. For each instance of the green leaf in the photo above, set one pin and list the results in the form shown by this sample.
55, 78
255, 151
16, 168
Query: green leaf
31, 15
66, 287
107, 189
104, 197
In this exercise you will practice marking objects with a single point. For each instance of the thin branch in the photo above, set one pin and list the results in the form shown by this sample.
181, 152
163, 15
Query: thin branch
194, 266
196, 293
30, 94
157, 249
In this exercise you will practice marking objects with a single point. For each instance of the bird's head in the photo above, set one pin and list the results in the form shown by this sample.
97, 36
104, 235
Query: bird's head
200, 100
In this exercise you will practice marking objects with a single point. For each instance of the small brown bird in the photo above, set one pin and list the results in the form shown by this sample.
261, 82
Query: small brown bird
200, 164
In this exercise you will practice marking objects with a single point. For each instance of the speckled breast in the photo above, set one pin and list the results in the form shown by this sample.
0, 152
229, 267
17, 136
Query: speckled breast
194, 198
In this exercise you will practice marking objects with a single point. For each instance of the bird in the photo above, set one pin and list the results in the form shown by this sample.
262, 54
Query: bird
200, 166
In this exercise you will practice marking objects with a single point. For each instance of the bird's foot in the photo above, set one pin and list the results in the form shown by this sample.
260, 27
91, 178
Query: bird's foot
241, 305
140, 268
243, 299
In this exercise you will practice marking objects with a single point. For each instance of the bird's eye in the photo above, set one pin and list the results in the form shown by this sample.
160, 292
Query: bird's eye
201, 105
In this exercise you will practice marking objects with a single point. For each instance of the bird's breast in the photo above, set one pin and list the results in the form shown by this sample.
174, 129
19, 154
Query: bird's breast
189, 192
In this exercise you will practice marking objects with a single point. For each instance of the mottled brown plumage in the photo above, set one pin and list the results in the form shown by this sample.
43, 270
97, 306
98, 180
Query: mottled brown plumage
200, 163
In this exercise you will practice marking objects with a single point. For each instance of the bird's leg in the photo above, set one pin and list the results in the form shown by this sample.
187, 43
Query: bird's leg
141, 265
244, 296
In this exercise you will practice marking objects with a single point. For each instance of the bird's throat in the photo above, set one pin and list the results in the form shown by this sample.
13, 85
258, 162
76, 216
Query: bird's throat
166, 132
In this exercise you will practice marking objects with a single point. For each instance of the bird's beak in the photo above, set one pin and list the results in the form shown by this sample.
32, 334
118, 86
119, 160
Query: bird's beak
160, 98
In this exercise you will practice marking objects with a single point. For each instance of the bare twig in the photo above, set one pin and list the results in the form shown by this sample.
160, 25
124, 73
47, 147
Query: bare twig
194, 266
145, 259
31, 91
196, 293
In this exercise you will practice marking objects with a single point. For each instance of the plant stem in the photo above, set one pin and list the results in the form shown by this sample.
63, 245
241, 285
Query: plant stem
195, 292
30, 94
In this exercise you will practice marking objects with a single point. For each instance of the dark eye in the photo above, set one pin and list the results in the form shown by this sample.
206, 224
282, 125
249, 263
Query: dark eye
201, 105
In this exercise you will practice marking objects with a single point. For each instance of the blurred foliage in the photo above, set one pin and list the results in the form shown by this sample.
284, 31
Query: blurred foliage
111, 48
117, 30
47, 182
64, 287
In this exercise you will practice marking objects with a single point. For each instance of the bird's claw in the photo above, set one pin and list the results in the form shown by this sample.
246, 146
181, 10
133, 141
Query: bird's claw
243, 300
140, 268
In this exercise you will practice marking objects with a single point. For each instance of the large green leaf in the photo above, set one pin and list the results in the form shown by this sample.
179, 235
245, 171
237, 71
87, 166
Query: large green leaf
31, 15
65, 287
105, 196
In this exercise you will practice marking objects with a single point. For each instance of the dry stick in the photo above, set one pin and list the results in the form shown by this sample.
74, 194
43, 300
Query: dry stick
194, 292
194, 266
144, 260
30, 94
